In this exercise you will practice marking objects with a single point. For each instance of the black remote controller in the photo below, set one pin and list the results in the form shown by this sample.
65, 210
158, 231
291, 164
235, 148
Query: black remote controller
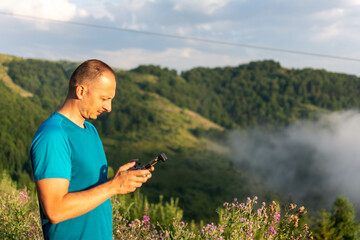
162, 157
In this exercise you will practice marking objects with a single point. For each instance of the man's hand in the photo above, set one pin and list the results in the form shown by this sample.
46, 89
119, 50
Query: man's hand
126, 179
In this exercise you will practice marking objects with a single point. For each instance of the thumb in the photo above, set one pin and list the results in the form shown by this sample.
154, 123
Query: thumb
127, 166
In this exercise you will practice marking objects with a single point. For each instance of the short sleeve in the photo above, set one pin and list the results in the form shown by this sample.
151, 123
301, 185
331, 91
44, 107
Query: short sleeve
50, 154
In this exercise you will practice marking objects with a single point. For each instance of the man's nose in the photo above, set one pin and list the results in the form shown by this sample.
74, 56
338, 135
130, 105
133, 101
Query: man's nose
107, 106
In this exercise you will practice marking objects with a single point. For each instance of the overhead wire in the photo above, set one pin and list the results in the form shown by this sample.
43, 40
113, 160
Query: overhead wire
212, 41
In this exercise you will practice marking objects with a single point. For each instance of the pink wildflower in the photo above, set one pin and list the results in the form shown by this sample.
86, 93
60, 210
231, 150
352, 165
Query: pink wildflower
273, 230
146, 219
24, 196
259, 211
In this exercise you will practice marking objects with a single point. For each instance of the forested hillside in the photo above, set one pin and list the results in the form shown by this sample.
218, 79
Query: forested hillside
259, 93
156, 110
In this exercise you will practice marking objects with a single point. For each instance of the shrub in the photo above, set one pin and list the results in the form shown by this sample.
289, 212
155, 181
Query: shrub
136, 206
19, 216
244, 221
340, 223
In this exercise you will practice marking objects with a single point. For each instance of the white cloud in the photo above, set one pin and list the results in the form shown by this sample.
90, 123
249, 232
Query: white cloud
174, 58
134, 24
336, 25
327, 32
202, 6
181, 31
205, 26
330, 14
330, 24
353, 2
97, 10
137, 4
54, 9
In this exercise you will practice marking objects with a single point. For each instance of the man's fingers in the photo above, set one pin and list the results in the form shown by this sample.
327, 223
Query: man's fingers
137, 184
129, 179
141, 172
127, 166
140, 179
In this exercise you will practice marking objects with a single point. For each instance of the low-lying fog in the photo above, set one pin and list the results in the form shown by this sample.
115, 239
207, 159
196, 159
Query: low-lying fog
312, 162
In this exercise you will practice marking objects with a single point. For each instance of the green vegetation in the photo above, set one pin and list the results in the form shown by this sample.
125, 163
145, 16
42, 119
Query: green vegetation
339, 223
135, 218
19, 119
186, 116
19, 215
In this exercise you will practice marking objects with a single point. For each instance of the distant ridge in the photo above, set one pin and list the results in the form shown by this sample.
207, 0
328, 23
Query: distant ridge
7, 80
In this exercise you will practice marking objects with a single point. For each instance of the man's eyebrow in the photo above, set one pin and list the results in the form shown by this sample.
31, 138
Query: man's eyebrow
107, 98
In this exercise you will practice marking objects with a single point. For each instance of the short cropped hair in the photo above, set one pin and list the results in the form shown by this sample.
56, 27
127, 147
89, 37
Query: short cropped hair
88, 71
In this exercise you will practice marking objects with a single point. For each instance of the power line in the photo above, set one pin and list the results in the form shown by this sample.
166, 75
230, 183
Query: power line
182, 37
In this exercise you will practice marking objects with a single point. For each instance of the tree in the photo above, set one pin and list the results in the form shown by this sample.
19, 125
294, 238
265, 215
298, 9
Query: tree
340, 223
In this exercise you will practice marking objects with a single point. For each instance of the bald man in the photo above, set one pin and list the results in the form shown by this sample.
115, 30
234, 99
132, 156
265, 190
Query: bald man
69, 163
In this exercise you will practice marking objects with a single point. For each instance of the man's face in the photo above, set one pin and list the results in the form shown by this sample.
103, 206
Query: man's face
98, 96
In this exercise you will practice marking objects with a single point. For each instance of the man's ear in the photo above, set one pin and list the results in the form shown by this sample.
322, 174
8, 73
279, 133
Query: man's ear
80, 91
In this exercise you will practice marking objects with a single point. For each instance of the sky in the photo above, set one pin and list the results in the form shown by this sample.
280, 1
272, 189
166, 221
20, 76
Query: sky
325, 27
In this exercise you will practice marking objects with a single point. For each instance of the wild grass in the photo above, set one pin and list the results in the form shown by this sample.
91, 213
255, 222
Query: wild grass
135, 218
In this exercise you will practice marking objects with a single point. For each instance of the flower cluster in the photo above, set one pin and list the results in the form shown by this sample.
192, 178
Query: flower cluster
19, 219
212, 231
243, 221
237, 221
136, 229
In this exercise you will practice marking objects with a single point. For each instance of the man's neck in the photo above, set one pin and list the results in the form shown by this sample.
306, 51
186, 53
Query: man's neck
69, 110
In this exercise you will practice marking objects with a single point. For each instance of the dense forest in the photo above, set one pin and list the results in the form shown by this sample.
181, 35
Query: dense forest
186, 115
259, 93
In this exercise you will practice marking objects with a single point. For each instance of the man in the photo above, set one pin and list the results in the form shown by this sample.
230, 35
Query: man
69, 163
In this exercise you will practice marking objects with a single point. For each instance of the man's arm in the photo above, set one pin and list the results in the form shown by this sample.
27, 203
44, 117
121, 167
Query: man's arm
60, 205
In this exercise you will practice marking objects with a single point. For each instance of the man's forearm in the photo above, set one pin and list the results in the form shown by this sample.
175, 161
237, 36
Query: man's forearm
74, 204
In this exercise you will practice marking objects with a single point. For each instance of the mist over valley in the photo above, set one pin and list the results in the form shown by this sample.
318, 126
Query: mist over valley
310, 161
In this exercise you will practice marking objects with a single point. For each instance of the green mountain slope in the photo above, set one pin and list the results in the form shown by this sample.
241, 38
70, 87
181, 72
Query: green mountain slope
8, 81
19, 119
258, 93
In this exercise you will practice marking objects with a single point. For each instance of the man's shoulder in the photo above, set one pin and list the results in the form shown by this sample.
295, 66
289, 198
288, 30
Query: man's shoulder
51, 127
50, 135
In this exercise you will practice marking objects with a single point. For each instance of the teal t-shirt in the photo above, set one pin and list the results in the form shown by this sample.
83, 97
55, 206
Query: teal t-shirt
62, 149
